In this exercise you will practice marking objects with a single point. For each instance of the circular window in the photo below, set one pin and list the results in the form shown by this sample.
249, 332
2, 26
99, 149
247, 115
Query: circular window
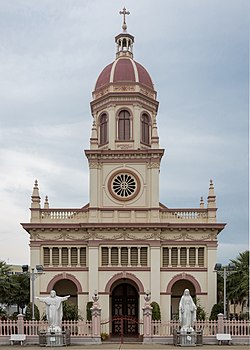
124, 185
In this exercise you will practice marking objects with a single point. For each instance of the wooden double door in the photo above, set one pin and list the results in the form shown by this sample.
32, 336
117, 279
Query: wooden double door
125, 310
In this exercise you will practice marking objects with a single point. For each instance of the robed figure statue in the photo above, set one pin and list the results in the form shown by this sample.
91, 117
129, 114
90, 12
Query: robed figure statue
187, 311
54, 310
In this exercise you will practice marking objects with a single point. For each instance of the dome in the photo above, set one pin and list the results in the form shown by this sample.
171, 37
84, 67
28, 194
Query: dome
124, 69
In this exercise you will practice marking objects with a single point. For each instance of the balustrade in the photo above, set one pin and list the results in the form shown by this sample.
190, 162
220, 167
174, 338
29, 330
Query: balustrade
159, 328
63, 214
193, 215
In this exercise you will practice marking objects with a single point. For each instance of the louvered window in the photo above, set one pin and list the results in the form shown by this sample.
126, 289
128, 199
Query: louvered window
105, 256
145, 128
124, 126
124, 256
174, 257
183, 256
103, 128
55, 256
134, 256
165, 257
46, 256
83, 259
192, 256
73, 256
114, 256
144, 256
65, 256
201, 257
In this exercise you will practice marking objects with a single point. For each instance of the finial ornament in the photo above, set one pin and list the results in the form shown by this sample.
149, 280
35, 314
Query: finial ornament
35, 197
124, 12
201, 203
46, 203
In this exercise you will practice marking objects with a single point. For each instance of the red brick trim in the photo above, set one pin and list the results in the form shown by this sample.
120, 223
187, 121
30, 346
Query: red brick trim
187, 277
124, 275
62, 276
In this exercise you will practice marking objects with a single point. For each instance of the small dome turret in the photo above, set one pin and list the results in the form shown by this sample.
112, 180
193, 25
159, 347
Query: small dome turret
124, 69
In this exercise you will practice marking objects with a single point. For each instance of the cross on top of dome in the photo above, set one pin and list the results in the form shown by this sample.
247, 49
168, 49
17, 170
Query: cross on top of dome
124, 12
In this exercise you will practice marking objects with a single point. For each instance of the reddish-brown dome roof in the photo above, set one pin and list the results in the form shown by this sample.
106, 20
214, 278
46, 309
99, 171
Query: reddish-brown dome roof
124, 70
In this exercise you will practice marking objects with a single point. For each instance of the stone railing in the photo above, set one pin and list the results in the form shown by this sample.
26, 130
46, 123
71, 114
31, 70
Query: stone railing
81, 215
82, 331
187, 215
63, 215
32, 328
209, 328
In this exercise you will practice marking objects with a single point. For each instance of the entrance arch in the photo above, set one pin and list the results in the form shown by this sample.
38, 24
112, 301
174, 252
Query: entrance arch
124, 304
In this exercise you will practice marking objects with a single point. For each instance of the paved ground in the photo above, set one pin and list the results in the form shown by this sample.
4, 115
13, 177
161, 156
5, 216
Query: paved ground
108, 346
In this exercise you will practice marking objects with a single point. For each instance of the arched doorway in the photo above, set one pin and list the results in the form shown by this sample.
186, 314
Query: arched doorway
176, 293
66, 287
124, 303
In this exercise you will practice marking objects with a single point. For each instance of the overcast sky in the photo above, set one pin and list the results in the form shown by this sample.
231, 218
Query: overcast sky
51, 53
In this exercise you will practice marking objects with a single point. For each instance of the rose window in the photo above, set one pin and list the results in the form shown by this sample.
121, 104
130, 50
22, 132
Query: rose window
124, 185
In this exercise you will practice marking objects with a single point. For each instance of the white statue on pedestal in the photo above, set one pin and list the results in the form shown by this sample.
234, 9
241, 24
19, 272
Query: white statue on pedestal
187, 312
54, 310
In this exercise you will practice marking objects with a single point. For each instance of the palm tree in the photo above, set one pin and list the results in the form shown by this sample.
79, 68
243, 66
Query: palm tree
5, 283
238, 281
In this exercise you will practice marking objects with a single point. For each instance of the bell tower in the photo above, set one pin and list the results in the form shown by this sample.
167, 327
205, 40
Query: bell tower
124, 155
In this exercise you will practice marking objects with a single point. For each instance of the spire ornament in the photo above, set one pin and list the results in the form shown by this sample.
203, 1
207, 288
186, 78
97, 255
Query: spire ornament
35, 197
211, 199
201, 203
124, 12
46, 202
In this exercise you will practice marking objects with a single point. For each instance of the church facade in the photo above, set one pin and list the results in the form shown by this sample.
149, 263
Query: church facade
124, 242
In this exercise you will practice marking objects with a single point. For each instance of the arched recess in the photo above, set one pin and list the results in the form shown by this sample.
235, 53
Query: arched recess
124, 275
145, 128
62, 276
103, 128
184, 276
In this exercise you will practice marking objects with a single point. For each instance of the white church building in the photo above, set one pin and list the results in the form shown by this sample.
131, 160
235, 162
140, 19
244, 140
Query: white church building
124, 242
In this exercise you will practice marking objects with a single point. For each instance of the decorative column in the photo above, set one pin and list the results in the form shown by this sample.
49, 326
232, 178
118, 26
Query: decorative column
220, 323
96, 319
147, 319
20, 324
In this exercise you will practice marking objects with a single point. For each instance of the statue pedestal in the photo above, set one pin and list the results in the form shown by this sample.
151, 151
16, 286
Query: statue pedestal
54, 338
187, 338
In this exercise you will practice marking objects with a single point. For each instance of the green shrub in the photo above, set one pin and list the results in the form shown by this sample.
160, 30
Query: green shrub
70, 311
28, 312
104, 336
216, 309
200, 312
88, 311
156, 312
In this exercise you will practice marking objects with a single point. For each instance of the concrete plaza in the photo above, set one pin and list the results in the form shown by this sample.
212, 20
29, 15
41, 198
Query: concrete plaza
131, 346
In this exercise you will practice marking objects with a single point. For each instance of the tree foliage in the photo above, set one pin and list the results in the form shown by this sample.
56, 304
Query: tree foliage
22, 291
14, 289
238, 281
7, 285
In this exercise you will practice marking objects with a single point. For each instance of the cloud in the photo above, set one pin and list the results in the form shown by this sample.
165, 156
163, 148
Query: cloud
231, 250
51, 54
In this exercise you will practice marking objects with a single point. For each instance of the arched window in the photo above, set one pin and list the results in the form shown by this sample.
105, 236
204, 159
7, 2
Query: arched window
103, 128
124, 126
145, 127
